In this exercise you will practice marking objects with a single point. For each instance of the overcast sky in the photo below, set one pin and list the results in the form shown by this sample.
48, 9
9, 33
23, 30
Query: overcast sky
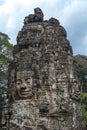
72, 15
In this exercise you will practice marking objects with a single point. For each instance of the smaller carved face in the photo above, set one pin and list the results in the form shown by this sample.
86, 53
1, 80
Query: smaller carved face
24, 85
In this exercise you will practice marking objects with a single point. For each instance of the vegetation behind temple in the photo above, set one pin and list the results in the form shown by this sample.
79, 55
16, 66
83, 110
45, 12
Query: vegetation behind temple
83, 100
82, 61
5, 58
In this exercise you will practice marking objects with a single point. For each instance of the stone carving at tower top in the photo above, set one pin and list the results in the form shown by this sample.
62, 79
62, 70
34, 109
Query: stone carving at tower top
36, 17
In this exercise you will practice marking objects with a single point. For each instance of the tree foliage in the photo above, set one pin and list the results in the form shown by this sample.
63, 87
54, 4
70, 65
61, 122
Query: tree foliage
82, 61
83, 100
5, 56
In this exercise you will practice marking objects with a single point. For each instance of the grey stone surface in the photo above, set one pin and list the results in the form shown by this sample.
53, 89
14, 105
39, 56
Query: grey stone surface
43, 82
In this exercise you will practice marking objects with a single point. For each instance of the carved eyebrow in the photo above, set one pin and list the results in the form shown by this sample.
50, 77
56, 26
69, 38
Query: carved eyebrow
27, 78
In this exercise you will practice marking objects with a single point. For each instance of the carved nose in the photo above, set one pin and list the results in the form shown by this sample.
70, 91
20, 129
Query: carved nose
23, 86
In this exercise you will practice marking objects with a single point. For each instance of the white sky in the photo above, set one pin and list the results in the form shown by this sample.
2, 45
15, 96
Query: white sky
72, 15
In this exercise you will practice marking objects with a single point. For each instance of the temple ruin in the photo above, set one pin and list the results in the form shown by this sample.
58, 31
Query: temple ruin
43, 81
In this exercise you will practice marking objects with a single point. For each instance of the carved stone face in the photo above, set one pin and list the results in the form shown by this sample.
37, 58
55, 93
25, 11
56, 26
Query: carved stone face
24, 84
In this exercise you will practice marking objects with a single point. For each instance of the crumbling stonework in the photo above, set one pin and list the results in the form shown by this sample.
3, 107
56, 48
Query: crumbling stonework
43, 82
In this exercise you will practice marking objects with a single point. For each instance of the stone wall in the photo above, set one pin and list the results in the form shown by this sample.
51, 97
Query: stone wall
43, 83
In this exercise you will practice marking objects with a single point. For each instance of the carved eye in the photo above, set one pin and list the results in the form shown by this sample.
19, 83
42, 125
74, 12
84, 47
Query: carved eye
18, 82
28, 81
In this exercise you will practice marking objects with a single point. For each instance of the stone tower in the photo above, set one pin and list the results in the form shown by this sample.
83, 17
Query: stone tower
42, 81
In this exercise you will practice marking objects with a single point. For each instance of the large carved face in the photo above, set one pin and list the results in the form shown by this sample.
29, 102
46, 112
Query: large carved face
24, 84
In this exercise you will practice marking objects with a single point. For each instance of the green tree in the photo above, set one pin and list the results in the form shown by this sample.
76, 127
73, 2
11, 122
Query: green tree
83, 101
5, 57
82, 61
